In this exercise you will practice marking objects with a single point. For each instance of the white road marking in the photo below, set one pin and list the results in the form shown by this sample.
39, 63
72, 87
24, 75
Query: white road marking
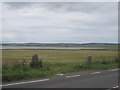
26, 82
95, 72
72, 76
60, 74
116, 87
113, 87
113, 70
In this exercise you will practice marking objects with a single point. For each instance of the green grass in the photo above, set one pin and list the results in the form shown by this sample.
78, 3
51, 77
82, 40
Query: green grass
54, 61
16, 73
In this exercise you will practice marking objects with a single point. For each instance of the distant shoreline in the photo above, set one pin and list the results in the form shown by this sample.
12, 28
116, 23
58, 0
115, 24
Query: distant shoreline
60, 46
52, 48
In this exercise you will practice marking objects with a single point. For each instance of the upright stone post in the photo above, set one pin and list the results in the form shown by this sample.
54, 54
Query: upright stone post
35, 62
89, 60
116, 60
104, 61
35, 58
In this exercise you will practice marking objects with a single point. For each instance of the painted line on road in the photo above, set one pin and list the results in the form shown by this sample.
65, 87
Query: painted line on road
95, 72
59, 74
26, 82
113, 70
72, 76
116, 87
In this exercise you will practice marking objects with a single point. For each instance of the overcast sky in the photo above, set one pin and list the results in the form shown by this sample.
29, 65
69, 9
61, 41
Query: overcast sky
66, 22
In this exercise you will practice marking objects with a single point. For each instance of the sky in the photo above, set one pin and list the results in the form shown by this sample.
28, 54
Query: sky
60, 22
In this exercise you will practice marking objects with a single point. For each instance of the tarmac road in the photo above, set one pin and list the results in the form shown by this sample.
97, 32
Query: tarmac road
91, 79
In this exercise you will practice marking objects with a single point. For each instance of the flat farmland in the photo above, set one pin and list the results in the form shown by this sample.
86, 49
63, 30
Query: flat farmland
55, 61
54, 56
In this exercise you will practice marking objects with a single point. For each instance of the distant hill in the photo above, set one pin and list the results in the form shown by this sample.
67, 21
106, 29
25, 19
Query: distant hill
63, 44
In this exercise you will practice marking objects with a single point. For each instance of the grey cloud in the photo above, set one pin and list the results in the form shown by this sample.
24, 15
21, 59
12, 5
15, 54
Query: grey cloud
60, 22
66, 6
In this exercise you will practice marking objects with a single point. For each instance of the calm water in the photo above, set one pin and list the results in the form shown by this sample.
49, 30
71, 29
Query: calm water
38, 47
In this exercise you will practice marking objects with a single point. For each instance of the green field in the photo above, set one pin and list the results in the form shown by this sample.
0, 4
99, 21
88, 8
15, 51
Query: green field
54, 61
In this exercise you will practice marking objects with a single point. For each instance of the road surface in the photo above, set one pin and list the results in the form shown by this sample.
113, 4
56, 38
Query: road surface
91, 79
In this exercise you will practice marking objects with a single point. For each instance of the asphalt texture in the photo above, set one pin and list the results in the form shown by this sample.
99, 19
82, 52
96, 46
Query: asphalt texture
91, 79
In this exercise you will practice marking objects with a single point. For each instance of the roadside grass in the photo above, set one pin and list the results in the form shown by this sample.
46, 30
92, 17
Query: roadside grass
16, 73
54, 61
